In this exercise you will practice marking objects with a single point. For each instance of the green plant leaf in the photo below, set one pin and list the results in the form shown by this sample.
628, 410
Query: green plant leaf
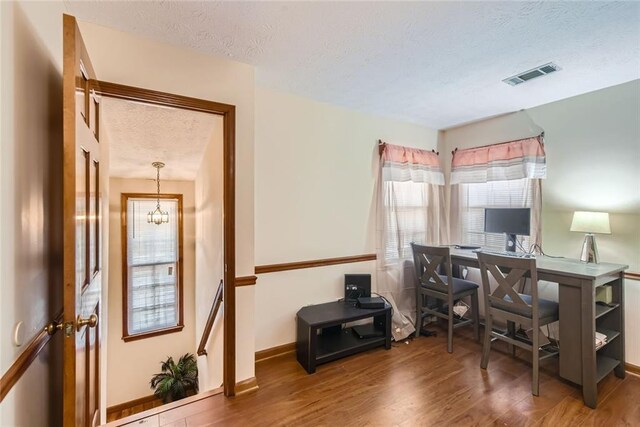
176, 380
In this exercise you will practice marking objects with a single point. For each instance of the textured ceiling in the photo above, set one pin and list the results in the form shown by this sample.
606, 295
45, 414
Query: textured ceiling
140, 134
435, 63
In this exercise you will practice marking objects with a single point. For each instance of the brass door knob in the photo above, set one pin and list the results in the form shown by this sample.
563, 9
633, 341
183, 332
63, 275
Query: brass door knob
91, 322
53, 327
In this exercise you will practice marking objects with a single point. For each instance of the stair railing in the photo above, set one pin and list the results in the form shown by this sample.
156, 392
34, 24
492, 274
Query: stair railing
210, 320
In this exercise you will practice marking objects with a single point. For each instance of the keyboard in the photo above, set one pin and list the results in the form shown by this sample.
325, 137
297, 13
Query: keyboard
467, 247
506, 253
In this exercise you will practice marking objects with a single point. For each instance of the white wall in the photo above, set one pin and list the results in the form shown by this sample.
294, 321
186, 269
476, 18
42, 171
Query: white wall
316, 167
127, 59
130, 365
210, 256
30, 203
592, 142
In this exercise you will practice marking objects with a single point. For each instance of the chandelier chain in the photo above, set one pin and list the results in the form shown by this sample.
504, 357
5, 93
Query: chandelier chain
158, 184
158, 216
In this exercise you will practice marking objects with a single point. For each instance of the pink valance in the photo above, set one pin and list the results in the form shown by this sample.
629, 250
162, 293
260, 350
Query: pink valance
524, 158
402, 164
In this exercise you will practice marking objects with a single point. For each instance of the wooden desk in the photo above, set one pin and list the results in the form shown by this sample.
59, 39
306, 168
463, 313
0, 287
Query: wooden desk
580, 317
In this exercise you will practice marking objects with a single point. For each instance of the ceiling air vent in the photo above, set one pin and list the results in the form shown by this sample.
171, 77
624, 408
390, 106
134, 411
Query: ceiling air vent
542, 70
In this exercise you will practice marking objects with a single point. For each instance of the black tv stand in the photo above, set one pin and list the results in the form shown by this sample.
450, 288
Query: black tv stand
321, 337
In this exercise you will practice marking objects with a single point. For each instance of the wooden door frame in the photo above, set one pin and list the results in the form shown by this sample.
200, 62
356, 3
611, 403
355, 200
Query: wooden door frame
228, 113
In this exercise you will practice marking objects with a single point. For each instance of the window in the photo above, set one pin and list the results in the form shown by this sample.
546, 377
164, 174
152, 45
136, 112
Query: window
151, 267
505, 175
475, 197
406, 205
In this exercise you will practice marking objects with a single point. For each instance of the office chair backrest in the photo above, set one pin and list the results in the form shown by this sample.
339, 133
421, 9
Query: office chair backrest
508, 272
427, 260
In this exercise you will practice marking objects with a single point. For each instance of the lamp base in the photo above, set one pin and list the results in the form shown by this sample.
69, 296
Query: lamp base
589, 249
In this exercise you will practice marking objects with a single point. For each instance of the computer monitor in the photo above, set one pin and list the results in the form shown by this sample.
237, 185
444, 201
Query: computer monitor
511, 221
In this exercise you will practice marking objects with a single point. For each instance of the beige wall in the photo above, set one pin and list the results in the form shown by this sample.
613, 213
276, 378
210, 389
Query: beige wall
210, 256
30, 203
127, 59
315, 175
592, 143
130, 365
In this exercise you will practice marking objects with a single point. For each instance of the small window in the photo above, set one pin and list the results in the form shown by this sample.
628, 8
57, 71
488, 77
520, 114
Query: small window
151, 267
474, 198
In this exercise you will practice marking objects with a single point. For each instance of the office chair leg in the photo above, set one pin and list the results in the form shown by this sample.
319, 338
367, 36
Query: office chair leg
476, 315
486, 345
535, 359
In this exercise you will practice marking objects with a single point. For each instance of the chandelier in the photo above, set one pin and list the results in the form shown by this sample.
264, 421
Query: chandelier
158, 216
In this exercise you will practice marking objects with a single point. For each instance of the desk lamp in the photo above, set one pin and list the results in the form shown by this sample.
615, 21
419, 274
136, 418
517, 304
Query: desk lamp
590, 223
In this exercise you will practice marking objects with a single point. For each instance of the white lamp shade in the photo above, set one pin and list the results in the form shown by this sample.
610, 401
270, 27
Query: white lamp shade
591, 222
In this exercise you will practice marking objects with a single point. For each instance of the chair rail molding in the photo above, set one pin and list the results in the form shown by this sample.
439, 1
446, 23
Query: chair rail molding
272, 268
632, 276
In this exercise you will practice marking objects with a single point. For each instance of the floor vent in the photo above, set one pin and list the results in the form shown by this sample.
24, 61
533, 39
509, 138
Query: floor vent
525, 76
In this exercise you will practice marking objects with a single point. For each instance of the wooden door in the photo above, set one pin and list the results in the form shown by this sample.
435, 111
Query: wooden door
82, 261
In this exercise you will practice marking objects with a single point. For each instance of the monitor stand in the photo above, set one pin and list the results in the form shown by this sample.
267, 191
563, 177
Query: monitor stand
510, 243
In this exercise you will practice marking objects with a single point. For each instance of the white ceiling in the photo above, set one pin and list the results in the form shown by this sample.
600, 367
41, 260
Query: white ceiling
435, 63
140, 134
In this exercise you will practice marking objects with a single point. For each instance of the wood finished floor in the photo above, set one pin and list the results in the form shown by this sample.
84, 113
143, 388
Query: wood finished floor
136, 409
415, 384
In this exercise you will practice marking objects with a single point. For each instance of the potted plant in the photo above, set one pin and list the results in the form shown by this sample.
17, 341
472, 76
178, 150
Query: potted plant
177, 380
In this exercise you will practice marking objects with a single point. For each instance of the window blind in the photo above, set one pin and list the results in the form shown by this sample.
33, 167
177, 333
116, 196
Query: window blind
475, 197
406, 206
152, 263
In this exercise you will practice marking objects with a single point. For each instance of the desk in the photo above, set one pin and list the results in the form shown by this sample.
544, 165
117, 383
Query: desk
580, 317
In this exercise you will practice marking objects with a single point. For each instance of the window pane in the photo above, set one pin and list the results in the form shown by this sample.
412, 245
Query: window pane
476, 197
405, 217
152, 259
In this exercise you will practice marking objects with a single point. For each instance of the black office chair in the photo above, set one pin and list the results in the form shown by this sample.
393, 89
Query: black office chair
427, 260
505, 303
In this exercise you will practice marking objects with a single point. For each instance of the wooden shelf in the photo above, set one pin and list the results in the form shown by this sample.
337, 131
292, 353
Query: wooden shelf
611, 335
604, 366
601, 310
335, 346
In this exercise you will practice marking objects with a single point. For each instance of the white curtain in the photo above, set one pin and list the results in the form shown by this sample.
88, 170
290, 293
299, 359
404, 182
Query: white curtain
523, 158
410, 209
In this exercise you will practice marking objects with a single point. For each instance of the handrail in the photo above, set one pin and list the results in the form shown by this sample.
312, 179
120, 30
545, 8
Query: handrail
212, 317
28, 355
